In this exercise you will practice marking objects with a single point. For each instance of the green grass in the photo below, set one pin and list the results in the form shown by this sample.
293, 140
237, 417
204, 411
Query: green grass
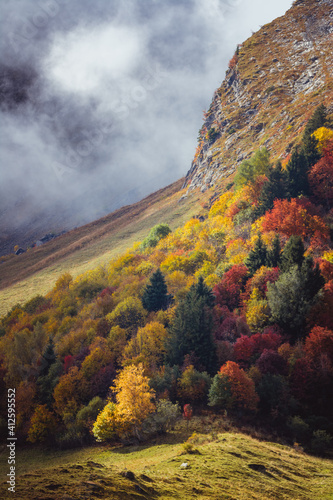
228, 465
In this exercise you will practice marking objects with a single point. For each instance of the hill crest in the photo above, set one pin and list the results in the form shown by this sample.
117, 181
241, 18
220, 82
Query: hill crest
275, 81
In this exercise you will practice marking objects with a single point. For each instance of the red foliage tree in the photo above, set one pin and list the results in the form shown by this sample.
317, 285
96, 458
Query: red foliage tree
319, 341
227, 292
302, 380
296, 217
260, 280
187, 412
271, 362
229, 325
68, 362
102, 380
243, 394
247, 349
326, 269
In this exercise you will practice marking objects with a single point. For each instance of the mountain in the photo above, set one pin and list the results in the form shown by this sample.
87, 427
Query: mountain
217, 296
274, 82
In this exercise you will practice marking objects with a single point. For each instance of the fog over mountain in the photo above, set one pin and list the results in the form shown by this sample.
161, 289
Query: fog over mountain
101, 101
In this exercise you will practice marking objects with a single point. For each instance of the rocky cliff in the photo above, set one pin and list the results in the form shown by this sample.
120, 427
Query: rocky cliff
274, 82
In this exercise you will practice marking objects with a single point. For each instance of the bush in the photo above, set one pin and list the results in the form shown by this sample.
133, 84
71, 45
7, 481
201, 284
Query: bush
299, 429
162, 420
320, 442
155, 235
105, 428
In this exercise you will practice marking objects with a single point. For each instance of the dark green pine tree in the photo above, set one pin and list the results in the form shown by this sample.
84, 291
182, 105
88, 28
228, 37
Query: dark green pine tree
317, 120
293, 253
309, 143
155, 296
49, 373
297, 175
274, 254
191, 333
204, 291
257, 257
311, 277
47, 359
273, 189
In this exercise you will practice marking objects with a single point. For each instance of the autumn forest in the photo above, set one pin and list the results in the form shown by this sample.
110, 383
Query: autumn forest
229, 314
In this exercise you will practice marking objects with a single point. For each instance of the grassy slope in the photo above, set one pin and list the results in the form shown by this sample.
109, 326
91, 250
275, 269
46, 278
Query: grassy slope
224, 468
90, 246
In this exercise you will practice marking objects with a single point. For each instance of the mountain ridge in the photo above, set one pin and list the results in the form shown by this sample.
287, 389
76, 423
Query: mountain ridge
275, 80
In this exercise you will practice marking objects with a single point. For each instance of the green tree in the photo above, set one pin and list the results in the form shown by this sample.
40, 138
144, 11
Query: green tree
257, 257
204, 291
47, 383
155, 295
293, 253
291, 297
191, 332
311, 277
274, 254
220, 391
309, 142
155, 235
273, 189
297, 174
249, 170
47, 359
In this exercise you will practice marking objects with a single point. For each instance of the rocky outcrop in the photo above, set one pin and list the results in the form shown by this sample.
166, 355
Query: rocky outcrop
280, 75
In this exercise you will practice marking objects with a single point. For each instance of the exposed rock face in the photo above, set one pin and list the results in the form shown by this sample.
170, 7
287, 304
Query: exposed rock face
282, 73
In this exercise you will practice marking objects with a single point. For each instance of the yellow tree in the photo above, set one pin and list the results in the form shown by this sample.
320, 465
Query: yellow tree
134, 397
148, 347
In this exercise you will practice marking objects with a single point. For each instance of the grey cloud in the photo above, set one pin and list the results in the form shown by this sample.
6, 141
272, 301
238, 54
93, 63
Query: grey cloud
101, 101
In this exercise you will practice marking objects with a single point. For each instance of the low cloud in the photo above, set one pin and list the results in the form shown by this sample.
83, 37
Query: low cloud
101, 101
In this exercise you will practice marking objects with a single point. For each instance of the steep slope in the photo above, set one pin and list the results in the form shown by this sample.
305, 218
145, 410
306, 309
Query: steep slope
274, 83
89, 246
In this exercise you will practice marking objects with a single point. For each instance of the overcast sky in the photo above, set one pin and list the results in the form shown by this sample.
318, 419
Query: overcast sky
101, 100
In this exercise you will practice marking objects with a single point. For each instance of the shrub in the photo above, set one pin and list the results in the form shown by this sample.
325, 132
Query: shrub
298, 428
106, 426
155, 235
320, 442
162, 420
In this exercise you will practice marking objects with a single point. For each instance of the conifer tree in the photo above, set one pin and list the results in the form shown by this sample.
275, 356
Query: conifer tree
297, 175
155, 295
293, 253
309, 142
292, 296
257, 257
274, 254
191, 332
311, 278
48, 358
273, 189
204, 291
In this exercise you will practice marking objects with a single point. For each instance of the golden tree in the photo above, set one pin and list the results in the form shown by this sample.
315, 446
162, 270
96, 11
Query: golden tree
134, 397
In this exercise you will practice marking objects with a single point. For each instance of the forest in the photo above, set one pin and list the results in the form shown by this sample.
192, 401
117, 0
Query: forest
231, 313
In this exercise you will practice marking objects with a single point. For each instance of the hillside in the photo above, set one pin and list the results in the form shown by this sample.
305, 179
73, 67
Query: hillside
215, 304
227, 466
265, 100
274, 82
86, 247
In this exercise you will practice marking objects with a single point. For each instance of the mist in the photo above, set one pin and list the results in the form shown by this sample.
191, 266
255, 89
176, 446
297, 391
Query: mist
101, 101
